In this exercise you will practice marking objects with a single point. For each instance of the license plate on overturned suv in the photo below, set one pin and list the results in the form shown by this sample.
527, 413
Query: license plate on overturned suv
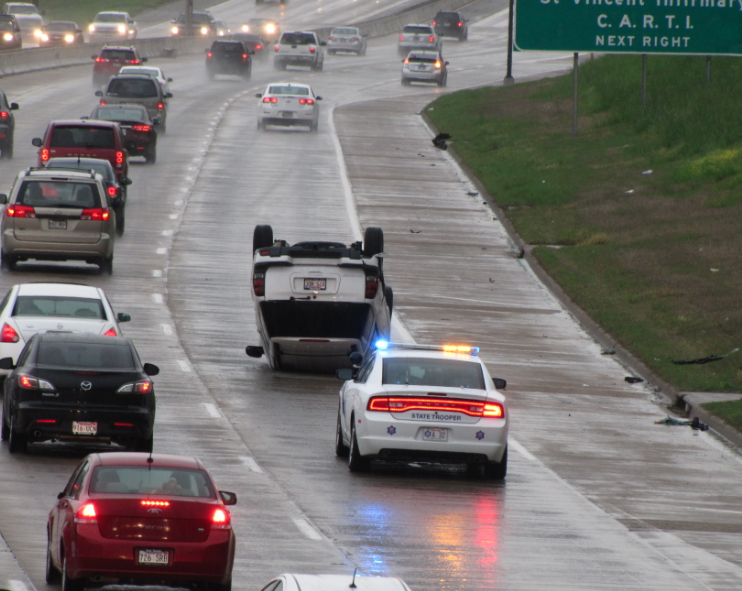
315, 284
435, 434
161, 557
80, 428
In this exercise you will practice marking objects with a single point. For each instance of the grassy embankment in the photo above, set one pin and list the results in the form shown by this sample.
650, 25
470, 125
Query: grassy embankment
655, 258
83, 11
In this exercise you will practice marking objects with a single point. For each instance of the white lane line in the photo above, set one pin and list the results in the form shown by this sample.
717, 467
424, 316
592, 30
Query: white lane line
212, 410
16, 585
166, 329
156, 273
184, 366
304, 527
162, 251
157, 297
167, 232
251, 464
174, 216
350, 202
178, 203
520, 449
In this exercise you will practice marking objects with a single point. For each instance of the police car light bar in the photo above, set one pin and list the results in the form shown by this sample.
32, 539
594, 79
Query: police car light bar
386, 345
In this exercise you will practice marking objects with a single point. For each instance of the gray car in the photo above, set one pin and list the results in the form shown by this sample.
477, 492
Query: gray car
346, 39
58, 215
424, 66
138, 90
418, 37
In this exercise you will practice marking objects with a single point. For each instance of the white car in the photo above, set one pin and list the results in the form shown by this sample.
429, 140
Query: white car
292, 582
287, 104
151, 71
317, 302
417, 402
29, 308
112, 25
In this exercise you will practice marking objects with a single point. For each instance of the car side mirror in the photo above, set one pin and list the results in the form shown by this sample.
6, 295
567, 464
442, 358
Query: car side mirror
60, 495
168, 95
344, 374
144, 60
258, 95
169, 79
500, 384
117, 204
7, 363
254, 351
149, 368
126, 181
323, 43
446, 63
37, 142
229, 498
14, 106
3, 199
123, 317
319, 98
98, 93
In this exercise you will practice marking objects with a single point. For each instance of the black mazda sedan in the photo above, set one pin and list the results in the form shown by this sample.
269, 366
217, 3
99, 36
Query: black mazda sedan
78, 387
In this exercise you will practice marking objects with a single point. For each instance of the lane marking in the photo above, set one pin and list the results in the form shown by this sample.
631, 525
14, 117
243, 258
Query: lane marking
251, 464
174, 216
304, 527
156, 273
167, 232
166, 329
184, 366
157, 297
212, 410
521, 450
350, 202
162, 251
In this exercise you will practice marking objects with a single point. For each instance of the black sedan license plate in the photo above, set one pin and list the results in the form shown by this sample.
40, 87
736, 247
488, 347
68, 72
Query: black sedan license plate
315, 284
160, 557
57, 224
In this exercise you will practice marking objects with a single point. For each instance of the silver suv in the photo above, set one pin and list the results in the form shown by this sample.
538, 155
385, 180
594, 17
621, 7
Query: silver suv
58, 215
418, 37
424, 66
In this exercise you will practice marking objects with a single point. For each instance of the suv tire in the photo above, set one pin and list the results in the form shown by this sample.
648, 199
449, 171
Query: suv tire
373, 241
106, 266
262, 237
7, 262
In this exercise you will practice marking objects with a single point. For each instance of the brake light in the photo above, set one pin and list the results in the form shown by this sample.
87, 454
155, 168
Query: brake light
3, 114
244, 56
111, 332
401, 37
472, 408
276, 48
312, 49
98, 214
461, 24
112, 191
45, 155
149, 503
437, 64
102, 101
20, 211
86, 514
31, 383
434, 23
270, 99
431, 39
372, 286
161, 106
142, 128
119, 158
221, 519
47, 421
143, 387
100, 60
331, 38
9, 334
258, 46
209, 55
135, 62
306, 101
406, 60
258, 284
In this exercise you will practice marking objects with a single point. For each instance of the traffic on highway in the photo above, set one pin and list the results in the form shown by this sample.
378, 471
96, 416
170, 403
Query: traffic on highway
315, 308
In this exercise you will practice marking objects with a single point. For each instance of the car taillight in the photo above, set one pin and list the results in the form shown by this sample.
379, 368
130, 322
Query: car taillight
406, 60
3, 114
461, 24
372, 286
244, 56
355, 39
31, 383
258, 284
150, 503
306, 101
86, 514
100, 60
44, 154
135, 62
431, 39
276, 48
472, 408
401, 37
143, 387
434, 23
9, 334
113, 191
312, 49
270, 99
221, 519
102, 101
142, 128
209, 55
98, 214
258, 46
111, 332
161, 105
331, 38
20, 211
119, 158
437, 64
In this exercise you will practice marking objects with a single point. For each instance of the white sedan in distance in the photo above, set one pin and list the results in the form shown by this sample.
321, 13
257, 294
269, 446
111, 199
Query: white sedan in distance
292, 582
29, 308
423, 403
287, 104
151, 71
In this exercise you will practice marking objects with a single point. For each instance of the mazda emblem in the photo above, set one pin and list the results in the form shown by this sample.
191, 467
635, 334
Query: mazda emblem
86, 386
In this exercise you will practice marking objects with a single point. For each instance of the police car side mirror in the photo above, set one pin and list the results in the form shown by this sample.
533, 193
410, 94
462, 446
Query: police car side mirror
7, 363
344, 374
500, 384
37, 142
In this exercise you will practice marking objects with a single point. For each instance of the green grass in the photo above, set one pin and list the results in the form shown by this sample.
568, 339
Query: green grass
730, 412
83, 11
656, 258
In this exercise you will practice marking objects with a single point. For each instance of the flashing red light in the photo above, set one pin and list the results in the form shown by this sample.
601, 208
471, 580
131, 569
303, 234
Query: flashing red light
20, 211
221, 519
9, 334
161, 105
258, 284
86, 514
98, 214
372, 286
111, 332
119, 158
44, 155
306, 101
149, 503
270, 99
112, 191
472, 408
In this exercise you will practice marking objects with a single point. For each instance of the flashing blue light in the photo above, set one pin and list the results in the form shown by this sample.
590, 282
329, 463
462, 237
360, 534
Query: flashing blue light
382, 345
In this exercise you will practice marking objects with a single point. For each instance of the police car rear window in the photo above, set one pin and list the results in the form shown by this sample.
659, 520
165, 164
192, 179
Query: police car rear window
442, 373
82, 136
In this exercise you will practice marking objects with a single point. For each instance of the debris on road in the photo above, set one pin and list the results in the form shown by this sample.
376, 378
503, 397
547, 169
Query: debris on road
608, 352
439, 141
633, 380
694, 424
703, 360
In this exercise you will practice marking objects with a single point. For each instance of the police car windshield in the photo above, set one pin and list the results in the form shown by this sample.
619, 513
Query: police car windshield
443, 373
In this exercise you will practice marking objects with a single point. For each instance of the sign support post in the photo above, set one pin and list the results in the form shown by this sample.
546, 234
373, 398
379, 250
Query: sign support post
576, 60
509, 80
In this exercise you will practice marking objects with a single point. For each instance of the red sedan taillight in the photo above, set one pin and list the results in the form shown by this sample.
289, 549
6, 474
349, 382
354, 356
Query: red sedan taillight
9, 334
86, 514
258, 46
472, 408
372, 286
258, 284
3, 114
221, 519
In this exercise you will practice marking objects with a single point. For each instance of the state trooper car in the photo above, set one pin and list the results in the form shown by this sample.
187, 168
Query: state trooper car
317, 302
417, 402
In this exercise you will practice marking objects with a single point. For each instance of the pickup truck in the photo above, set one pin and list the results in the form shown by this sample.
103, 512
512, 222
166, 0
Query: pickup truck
299, 48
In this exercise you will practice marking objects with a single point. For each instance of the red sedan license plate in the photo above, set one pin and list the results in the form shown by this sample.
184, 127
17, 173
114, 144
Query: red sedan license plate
315, 284
161, 557
80, 428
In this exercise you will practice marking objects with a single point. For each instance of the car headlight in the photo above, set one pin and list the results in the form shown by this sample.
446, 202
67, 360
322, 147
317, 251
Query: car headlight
122, 29
204, 30
245, 28
8, 36
38, 33
91, 28
174, 30
270, 28
69, 38
44, 37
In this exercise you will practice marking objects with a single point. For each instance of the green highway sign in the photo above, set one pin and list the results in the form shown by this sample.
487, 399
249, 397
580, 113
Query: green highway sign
703, 27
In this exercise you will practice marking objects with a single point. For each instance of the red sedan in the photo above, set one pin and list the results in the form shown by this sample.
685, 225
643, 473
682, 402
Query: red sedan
141, 518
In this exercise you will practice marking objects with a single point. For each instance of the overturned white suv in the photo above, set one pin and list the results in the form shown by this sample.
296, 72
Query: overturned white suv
318, 302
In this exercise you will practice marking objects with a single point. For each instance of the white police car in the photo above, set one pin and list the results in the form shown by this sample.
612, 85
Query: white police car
417, 402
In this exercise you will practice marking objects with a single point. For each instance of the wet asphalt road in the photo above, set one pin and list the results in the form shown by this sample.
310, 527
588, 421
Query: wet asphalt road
597, 496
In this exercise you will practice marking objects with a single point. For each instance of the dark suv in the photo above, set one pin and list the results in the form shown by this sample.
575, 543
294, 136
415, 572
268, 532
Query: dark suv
111, 60
202, 25
10, 32
229, 57
7, 126
451, 24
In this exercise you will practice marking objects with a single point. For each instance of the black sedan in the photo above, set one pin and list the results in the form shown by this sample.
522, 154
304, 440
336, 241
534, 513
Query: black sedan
140, 136
61, 33
116, 190
78, 387
7, 126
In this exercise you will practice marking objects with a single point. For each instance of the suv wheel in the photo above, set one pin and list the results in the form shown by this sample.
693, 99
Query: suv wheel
150, 156
373, 241
7, 262
262, 237
106, 266
120, 222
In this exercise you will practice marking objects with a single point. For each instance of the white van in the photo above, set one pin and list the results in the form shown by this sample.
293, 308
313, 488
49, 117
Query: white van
318, 302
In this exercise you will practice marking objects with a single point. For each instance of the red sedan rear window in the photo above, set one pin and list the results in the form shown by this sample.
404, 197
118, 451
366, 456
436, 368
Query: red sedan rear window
140, 480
